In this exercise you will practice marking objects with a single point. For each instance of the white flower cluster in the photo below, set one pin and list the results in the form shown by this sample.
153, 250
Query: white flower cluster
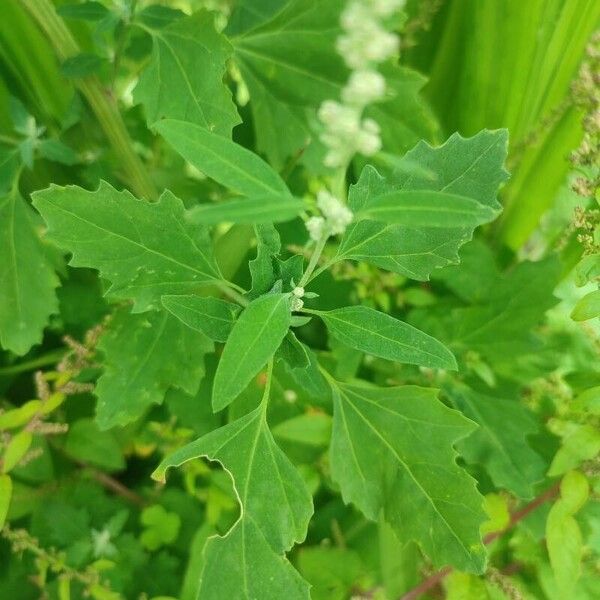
364, 44
336, 216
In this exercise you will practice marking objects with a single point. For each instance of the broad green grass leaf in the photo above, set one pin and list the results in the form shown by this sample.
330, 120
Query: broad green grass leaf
262, 209
379, 334
184, 79
392, 451
144, 355
144, 249
426, 208
500, 442
27, 278
86, 442
232, 165
468, 167
248, 561
563, 536
5, 496
290, 66
211, 316
255, 337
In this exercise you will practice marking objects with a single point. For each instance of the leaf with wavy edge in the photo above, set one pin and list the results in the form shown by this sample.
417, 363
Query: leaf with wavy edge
145, 249
27, 278
468, 167
249, 562
144, 355
392, 450
184, 78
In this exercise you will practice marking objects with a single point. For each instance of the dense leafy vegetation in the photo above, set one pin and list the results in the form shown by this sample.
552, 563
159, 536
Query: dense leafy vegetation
299, 299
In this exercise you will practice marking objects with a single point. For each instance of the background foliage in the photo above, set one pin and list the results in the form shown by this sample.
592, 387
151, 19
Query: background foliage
434, 406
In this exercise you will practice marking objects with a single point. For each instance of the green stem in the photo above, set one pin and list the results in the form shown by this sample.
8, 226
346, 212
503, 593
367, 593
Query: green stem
104, 107
228, 289
51, 358
314, 259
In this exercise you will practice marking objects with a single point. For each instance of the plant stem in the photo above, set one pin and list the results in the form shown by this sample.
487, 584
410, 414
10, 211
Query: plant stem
517, 516
314, 259
103, 106
227, 288
31, 365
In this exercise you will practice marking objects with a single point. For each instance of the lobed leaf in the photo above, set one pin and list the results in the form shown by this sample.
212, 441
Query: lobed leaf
146, 250
276, 507
184, 79
392, 451
144, 355
27, 278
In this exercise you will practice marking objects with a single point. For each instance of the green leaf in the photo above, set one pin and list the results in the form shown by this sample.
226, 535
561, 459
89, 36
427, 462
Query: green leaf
56, 151
379, 334
86, 11
587, 307
468, 167
312, 429
144, 355
426, 208
86, 442
262, 267
144, 249
255, 337
499, 324
500, 442
276, 507
290, 64
82, 65
392, 451
16, 449
5, 495
230, 164
161, 528
27, 279
563, 536
265, 209
184, 79
211, 316
581, 443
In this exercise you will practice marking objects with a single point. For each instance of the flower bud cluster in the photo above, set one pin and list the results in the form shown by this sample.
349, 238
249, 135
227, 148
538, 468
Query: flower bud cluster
336, 216
297, 295
364, 44
586, 94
